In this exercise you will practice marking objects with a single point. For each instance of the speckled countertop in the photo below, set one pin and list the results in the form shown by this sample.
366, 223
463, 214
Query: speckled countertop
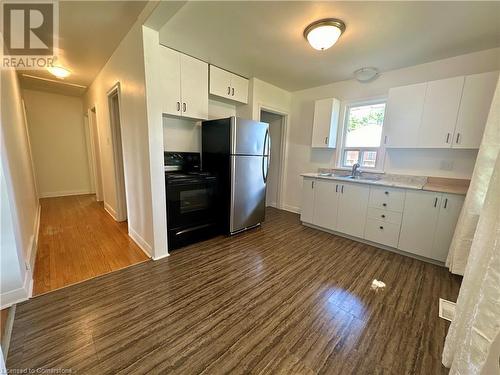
442, 185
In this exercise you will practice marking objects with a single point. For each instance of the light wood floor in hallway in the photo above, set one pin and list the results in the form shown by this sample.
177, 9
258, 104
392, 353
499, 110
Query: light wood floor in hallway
280, 299
79, 240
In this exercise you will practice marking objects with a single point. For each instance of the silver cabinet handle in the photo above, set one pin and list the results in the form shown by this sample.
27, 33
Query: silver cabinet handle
447, 137
232, 91
435, 202
337, 188
312, 184
178, 106
342, 190
184, 107
458, 137
445, 202
228, 90
385, 140
326, 140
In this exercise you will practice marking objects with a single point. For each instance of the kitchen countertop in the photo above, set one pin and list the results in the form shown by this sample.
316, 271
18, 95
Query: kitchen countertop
442, 185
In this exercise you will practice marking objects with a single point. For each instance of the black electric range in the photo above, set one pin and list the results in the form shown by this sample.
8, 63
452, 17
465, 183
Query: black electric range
191, 200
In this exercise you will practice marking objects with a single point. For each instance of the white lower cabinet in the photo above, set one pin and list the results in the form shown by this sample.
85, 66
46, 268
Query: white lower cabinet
429, 222
415, 221
326, 203
352, 206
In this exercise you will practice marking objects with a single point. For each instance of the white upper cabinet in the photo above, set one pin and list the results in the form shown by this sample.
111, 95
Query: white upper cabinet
474, 109
194, 87
325, 123
170, 81
448, 113
352, 207
228, 85
442, 100
184, 82
404, 113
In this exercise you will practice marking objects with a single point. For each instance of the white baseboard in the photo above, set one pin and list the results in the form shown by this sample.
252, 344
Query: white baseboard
110, 210
17, 295
52, 194
34, 242
161, 256
293, 209
143, 245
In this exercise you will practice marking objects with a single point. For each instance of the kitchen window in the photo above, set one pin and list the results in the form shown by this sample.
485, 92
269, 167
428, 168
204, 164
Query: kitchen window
362, 134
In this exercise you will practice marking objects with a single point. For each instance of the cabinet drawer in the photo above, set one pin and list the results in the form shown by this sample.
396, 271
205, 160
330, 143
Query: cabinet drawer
387, 198
386, 216
382, 232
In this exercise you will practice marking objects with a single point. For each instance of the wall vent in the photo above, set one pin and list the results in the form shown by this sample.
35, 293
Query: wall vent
446, 309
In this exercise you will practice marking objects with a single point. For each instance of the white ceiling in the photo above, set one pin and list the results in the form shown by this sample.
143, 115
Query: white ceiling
264, 39
89, 32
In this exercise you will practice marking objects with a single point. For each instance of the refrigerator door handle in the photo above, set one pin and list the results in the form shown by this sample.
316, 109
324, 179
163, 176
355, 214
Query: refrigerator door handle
264, 149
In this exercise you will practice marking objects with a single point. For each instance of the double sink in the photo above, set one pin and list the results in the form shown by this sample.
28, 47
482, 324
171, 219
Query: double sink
361, 177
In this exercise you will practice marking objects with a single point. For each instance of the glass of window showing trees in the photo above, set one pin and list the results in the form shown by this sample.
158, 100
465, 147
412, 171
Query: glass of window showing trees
363, 134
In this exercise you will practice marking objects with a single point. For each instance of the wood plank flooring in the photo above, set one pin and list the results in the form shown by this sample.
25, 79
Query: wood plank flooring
283, 298
79, 240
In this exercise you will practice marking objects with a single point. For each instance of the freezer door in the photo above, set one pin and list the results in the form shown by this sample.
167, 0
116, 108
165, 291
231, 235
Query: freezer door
249, 137
248, 191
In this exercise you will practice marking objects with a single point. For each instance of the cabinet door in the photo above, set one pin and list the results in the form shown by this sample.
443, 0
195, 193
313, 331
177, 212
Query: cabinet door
325, 204
325, 123
353, 204
403, 115
474, 109
420, 218
170, 81
220, 82
439, 118
307, 207
451, 205
239, 89
194, 87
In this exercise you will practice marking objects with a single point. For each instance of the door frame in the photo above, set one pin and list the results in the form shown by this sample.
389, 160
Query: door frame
283, 151
117, 151
95, 151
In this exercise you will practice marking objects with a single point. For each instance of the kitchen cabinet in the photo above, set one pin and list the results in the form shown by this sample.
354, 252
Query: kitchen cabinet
325, 123
403, 115
442, 101
326, 203
307, 207
228, 85
429, 222
184, 84
352, 206
474, 109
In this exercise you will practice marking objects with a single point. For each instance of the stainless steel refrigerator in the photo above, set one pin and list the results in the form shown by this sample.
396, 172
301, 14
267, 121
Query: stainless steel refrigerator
237, 151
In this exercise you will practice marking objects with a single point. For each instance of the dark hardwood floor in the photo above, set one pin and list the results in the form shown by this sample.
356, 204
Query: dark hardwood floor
283, 298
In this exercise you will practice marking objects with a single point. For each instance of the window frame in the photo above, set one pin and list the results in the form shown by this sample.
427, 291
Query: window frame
345, 107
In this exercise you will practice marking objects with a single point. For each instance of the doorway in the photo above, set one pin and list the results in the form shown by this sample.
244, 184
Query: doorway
95, 154
116, 140
277, 123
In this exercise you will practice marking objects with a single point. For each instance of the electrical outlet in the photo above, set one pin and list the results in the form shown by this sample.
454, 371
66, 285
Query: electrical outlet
446, 165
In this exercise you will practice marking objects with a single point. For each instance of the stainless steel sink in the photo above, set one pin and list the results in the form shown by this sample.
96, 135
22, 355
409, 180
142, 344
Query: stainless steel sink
366, 178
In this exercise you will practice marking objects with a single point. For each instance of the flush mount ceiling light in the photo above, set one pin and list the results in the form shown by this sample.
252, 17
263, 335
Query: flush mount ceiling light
59, 71
323, 34
366, 74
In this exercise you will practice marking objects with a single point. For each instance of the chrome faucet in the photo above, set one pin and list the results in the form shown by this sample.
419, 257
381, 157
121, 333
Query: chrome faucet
355, 172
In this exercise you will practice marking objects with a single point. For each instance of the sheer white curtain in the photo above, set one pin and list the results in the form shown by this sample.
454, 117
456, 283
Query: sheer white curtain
474, 201
475, 253
477, 316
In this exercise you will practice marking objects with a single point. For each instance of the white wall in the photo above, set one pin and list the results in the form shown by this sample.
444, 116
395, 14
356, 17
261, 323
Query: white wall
181, 135
301, 158
126, 66
19, 198
58, 142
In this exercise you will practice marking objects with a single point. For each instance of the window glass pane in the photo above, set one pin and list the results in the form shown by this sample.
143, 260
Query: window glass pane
364, 125
369, 159
350, 158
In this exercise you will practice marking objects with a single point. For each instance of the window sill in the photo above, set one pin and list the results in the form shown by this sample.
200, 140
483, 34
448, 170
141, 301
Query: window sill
361, 169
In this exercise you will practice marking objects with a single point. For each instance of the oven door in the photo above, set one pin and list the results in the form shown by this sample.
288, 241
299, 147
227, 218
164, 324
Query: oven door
190, 203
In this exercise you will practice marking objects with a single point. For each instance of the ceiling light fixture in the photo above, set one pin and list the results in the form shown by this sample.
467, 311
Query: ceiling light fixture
366, 74
59, 71
324, 33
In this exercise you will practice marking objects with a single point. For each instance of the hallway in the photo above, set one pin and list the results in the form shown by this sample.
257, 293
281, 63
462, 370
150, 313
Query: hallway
79, 240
